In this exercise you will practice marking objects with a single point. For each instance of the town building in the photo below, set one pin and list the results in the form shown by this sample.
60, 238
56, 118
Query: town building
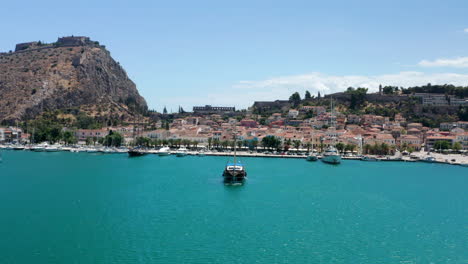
208, 109
83, 134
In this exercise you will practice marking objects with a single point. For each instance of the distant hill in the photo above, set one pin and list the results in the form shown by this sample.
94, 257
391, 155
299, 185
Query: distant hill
73, 74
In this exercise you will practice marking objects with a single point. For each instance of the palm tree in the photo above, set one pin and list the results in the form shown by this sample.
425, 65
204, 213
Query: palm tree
308, 145
210, 140
255, 144
195, 144
297, 144
340, 146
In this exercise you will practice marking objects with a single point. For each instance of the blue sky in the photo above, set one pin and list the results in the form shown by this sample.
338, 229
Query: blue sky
209, 52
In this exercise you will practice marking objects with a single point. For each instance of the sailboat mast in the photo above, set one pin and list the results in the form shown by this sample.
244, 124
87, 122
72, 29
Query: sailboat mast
235, 145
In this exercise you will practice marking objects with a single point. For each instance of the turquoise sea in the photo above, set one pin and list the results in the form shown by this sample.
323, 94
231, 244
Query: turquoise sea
108, 208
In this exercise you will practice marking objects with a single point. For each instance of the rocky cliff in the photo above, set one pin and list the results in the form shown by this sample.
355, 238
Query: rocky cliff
72, 73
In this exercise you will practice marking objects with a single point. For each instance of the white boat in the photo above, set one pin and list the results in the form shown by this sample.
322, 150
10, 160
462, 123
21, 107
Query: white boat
181, 152
368, 158
164, 151
201, 154
53, 148
331, 156
39, 147
429, 159
91, 150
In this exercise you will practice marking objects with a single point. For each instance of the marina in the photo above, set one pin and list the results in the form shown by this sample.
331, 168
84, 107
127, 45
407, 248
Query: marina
112, 208
452, 159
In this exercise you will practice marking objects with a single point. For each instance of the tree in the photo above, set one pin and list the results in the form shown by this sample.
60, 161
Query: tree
254, 143
295, 99
318, 95
307, 95
210, 141
297, 144
443, 144
308, 145
358, 97
164, 110
340, 146
271, 142
113, 139
350, 147
457, 146
142, 141
68, 137
89, 141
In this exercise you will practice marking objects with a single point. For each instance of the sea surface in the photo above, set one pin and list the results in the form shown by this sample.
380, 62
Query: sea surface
108, 208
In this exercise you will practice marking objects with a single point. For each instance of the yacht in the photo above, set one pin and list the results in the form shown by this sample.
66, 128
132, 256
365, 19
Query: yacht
234, 172
181, 152
136, 152
331, 156
53, 148
164, 151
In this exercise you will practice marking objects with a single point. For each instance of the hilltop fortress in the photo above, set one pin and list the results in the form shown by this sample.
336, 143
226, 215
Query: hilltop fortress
70, 41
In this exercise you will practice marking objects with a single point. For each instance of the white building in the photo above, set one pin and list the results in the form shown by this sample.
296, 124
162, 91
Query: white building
293, 113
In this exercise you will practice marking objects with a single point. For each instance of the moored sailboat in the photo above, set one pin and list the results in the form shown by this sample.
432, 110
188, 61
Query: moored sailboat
331, 154
313, 156
234, 172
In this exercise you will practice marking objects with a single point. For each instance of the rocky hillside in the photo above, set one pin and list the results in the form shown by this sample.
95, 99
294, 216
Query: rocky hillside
72, 73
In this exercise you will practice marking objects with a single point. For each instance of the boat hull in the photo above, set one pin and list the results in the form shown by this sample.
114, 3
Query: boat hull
136, 153
181, 154
332, 159
312, 158
234, 176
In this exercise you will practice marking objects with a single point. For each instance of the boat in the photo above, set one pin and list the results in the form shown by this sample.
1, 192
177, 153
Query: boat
234, 172
429, 159
367, 158
136, 152
181, 152
201, 154
52, 148
39, 147
91, 150
312, 157
164, 151
18, 147
331, 156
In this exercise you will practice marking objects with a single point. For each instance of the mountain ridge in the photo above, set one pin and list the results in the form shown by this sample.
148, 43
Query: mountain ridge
72, 73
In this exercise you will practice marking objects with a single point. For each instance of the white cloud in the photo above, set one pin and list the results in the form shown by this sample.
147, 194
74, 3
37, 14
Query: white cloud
461, 62
465, 30
244, 93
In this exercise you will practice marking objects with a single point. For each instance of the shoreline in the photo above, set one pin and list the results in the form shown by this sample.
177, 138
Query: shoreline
460, 159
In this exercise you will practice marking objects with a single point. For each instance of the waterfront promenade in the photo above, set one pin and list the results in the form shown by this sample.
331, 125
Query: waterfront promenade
453, 159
